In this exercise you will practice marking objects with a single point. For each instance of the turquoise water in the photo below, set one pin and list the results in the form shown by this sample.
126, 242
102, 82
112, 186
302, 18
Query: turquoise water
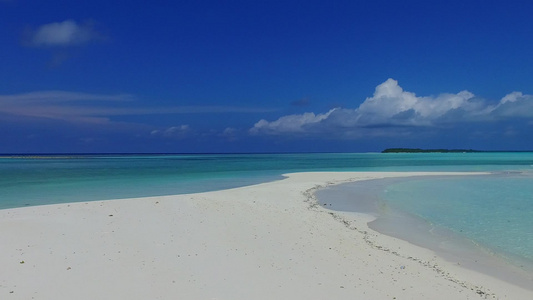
57, 179
495, 211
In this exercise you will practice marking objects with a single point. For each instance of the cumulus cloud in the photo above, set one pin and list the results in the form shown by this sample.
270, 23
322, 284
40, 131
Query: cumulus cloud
291, 123
512, 105
62, 34
391, 106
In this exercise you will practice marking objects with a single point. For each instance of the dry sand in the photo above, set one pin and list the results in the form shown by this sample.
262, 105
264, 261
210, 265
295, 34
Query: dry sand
267, 241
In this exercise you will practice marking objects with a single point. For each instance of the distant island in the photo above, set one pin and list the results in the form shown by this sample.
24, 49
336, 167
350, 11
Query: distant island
417, 150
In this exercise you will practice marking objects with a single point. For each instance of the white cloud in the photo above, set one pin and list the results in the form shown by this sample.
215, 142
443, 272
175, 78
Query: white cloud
61, 34
391, 106
180, 131
291, 123
177, 130
512, 97
512, 105
229, 133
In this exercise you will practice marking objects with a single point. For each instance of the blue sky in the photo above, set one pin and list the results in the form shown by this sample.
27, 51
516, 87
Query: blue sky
265, 76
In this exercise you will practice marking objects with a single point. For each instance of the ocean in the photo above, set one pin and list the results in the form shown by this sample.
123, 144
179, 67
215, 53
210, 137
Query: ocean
38, 180
493, 211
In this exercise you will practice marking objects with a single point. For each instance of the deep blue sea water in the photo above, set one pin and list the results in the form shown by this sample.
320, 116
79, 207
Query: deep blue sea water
495, 211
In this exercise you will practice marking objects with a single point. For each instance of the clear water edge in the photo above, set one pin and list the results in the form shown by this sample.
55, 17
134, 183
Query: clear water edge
451, 244
501, 204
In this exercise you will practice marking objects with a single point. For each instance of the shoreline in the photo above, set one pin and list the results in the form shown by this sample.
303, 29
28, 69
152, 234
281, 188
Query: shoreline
362, 197
270, 240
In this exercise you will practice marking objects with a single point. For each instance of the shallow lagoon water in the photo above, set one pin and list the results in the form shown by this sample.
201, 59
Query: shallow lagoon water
495, 211
483, 222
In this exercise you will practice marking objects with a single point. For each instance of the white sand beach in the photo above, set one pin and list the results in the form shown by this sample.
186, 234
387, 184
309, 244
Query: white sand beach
267, 241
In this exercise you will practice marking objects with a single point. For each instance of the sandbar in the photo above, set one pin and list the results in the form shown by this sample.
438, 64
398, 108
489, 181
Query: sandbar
266, 241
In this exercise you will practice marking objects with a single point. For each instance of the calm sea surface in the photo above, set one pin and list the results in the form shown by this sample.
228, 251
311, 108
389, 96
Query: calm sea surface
56, 179
495, 211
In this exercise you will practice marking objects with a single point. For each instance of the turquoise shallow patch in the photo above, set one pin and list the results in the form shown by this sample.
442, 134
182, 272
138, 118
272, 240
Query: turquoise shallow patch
56, 179
495, 211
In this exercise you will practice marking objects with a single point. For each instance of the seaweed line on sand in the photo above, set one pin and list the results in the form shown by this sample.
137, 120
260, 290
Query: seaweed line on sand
368, 237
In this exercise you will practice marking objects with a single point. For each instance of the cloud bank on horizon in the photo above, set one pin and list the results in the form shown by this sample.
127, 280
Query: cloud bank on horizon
392, 107
390, 111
